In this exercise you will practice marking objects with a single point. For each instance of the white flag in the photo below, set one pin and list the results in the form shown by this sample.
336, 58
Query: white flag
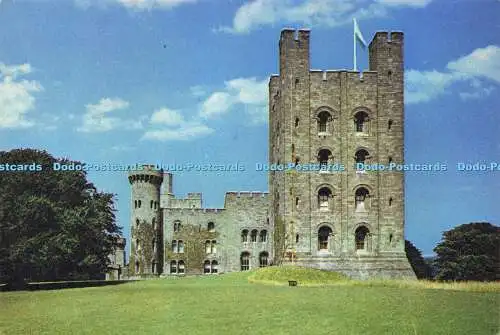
358, 36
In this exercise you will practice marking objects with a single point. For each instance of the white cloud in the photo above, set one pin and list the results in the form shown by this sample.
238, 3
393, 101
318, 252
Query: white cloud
97, 119
248, 94
481, 65
139, 5
198, 91
16, 96
185, 132
327, 13
168, 117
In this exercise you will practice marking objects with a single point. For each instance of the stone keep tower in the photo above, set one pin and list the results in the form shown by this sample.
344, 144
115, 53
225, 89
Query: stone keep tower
146, 257
346, 220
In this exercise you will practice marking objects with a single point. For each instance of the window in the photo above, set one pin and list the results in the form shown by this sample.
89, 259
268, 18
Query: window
180, 246
263, 256
389, 74
296, 122
263, 236
208, 249
213, 247
136, 223
389, 124
211, 227
361, 156
324, 195
245, 261
297, 202
244, 236
173, 267
296, 82
390, 159
137, 245
151, 204
137, 267
215, 266
390, 238
206, 267
360, 120
177, 226
324, 156
361, 234
253, 236
153, 223
323, 237
135, 204
390, 201
297, 238
182, 267
153, 267
174, 246
323, 119
360, 199
138, 204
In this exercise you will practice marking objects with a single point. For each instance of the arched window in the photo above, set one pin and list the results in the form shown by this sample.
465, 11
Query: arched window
215, 266
361, 238
361, 196
324, 119
390, 201
323, 237
173, 267
296, 122
263, 236
174, 246
245, 261
180, 246
206, 267
213, 247
244, 235
263, 257
207, 247
361, 156
138, 204
182, 267
389, 124
211, 227
324, 195
177, 226
324, 157
135, 203
253, 236
297, 238
136, 223
151, 204
360, 120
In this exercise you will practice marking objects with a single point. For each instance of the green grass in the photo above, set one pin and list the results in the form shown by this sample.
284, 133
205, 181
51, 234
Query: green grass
229, 304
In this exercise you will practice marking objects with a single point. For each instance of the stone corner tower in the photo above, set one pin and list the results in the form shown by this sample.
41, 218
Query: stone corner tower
146, 256
326, 211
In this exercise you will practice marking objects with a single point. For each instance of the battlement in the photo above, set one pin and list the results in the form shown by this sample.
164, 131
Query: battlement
194, 195
194, 210
145, 172
334, 75
387, 37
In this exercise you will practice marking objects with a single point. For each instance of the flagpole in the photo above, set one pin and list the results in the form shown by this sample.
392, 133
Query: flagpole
354, 40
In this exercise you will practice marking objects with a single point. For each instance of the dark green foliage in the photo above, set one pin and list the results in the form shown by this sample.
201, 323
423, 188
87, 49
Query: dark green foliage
417, 262
469, 252
54, 225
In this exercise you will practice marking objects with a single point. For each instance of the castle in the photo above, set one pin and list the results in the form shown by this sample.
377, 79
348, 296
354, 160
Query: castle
350, 221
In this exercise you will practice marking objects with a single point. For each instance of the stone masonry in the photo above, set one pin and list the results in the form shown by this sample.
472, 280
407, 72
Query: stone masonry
349, 220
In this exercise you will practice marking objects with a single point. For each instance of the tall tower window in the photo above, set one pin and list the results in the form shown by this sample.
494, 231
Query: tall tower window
206, 267
324, 195
207, 247
361, 238
137, 223
324, 119
323, 237
215, 266
389, 124
177, 226
360, 121
211, 227
296, 122
324, 157
138, 204
361, 196
180, 246
361, 156
173, 267
213, 247
151, 203
174, 246
182, 267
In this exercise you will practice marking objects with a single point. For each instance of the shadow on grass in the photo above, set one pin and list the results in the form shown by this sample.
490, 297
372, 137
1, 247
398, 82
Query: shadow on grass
42, 286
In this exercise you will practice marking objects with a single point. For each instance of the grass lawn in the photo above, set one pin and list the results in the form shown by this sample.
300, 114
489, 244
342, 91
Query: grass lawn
229, 304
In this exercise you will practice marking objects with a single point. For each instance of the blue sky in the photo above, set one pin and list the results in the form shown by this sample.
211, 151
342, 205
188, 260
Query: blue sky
127, 81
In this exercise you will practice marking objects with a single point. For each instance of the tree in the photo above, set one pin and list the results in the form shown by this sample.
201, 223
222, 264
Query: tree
53, 224
469, 252
417, 262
